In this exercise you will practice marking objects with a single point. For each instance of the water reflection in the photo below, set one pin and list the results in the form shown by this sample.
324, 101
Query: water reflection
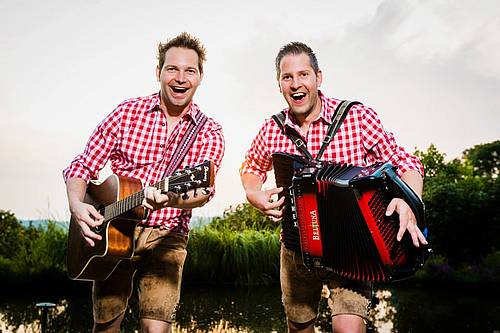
259, 310
382, 317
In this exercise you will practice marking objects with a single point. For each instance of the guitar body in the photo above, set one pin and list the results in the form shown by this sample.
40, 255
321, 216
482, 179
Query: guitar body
119, 199
97, 263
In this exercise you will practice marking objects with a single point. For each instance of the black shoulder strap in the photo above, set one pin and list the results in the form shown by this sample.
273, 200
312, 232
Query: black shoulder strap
186, 142
279, 118
341, 112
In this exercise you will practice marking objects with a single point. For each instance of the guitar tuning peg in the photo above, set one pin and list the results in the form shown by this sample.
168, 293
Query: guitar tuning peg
195, 192
205, 191
185, 196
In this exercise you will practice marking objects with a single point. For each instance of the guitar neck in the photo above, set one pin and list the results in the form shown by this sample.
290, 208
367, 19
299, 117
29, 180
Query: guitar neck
181, 181
130, 202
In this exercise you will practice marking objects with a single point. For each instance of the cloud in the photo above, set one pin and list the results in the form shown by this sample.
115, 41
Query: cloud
439, 31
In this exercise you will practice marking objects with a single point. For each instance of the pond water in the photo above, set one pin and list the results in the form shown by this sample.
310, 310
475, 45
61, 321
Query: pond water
401, 309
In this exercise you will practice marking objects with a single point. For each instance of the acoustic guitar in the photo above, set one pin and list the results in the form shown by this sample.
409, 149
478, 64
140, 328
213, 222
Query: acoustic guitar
119, 200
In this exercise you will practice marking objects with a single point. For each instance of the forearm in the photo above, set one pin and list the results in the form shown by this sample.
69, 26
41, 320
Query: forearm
414, 180
251, 182
75, 189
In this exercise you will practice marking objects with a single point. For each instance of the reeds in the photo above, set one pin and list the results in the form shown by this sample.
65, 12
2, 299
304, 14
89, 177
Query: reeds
234, 253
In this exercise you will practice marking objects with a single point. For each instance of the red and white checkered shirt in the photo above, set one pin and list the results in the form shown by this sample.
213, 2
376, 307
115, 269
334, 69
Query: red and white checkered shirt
361, 140
134, 139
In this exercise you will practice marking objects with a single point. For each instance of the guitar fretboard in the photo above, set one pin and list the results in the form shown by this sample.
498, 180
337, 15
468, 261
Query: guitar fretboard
132, 201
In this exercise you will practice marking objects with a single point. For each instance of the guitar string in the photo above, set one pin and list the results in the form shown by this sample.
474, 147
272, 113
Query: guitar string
119, 207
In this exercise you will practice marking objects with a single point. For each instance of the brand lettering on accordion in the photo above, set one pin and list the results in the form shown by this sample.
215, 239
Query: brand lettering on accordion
314, 225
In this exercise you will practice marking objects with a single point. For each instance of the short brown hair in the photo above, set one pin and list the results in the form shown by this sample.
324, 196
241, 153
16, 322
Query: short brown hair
186, 41
296, 48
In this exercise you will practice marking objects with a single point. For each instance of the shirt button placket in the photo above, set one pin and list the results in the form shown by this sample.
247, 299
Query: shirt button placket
163, 124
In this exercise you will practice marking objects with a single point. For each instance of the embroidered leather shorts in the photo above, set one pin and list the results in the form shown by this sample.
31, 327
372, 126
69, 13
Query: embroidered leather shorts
158, 262
301, 291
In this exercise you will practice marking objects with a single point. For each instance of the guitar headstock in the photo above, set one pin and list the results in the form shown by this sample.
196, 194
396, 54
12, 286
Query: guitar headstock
187, 179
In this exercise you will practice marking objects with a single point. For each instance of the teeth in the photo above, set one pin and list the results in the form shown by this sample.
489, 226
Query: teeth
179, 90
298, 95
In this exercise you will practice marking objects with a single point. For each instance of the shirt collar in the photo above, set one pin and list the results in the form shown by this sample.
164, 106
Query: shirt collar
191, 114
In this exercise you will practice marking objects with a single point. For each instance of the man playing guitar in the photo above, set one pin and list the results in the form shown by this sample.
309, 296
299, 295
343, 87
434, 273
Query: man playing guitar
140, 139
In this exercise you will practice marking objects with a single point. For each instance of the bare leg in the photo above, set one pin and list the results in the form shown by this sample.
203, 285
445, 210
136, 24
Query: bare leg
348, 323
155, 326
307, 327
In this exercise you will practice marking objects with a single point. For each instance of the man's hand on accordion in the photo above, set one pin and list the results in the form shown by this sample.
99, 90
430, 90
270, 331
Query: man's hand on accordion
407, 221
262, 200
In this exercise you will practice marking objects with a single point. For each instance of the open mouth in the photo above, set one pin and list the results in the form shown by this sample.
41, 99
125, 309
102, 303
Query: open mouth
298, 96
179, 90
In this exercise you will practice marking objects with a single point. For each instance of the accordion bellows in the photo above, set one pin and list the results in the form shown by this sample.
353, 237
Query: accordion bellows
335, 216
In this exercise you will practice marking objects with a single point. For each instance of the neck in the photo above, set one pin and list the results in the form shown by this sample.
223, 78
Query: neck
173, 111
305, 119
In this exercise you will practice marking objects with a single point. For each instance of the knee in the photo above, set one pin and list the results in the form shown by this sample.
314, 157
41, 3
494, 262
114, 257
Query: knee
155, 326
112, 326
347, 323
306, 327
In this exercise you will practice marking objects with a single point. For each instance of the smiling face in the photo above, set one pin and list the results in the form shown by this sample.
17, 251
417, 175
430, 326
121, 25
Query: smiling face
179, 78
299, 85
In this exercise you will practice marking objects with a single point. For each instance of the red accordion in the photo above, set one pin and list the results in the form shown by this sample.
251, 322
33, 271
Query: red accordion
335, 216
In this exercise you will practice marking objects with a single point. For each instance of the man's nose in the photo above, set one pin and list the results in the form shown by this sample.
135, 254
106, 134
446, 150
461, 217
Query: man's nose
295, 83
180, 77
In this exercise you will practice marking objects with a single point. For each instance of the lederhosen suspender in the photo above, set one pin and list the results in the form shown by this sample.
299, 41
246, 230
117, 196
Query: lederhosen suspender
340, 113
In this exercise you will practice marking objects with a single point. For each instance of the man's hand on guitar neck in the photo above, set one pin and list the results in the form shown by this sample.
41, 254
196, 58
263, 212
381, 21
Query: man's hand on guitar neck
155, 199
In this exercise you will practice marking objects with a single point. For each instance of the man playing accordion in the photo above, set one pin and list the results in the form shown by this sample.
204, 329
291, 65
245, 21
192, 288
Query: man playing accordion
360, 140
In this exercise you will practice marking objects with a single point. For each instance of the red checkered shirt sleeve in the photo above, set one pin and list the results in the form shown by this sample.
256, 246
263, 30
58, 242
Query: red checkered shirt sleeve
98, 149
258, 159
381, 145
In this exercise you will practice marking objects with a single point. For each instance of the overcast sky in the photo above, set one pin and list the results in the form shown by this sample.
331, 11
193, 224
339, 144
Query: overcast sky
430, 69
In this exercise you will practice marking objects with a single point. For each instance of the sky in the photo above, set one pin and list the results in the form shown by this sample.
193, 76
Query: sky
430, 69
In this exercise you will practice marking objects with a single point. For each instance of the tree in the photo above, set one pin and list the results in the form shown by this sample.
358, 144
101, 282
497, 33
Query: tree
462, 208
485, 159
11, 234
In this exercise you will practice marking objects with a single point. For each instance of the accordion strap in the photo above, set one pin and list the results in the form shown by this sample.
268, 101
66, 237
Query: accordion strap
185, 143
292, 134
340, 113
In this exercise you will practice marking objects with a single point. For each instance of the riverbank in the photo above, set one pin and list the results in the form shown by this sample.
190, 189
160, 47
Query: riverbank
408, 308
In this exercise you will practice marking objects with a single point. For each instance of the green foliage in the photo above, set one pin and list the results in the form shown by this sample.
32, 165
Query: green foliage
12, 234
243, 217
241, 248
247, 257
490, 267
45, 252
27, 252
485, 158
462, 207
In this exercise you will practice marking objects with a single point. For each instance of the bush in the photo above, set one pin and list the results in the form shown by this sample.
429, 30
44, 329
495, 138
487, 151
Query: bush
249, 257
490, 267
243, 217
27, 252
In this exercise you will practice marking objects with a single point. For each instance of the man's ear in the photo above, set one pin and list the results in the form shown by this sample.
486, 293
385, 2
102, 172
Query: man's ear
201, 76
319, 77
158, 71
279, 86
